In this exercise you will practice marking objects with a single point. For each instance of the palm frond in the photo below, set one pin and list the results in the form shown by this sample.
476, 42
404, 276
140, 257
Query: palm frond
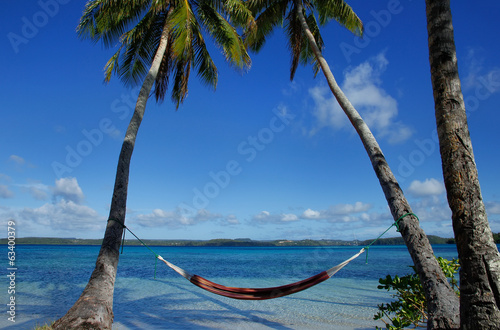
180, 88
257, 6
271, 14
341, 12
107, 20
136, 27
181, 23
113, 64
141, 43
293, 30
298, 44
207, 71
307, 55
164, 72
238, 13
224, 34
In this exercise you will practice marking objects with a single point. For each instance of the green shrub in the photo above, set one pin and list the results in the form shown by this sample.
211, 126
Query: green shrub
496, 237
44, 327
409, 310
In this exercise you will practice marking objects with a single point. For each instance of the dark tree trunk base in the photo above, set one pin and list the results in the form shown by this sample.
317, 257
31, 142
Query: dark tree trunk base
86, 313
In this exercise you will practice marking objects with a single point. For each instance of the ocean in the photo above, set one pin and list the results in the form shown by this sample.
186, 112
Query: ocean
49, 279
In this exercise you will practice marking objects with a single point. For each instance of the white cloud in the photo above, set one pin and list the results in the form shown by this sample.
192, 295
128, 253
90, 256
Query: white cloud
493, 207
350, 208
37, 193
327, 111
265, 217
311, 214
231, 220
64, 216
37, 190
292, 88
434, 209
362, 85
339, 212
336, 213
5, 192
175, 218
262, 215
116, 134
430, 187
5, 178
68, 189
160, 217
288, 217
487, 81
17, 159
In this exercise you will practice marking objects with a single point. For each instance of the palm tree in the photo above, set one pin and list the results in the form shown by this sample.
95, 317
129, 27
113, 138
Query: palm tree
478, 254
305, 44
165, 36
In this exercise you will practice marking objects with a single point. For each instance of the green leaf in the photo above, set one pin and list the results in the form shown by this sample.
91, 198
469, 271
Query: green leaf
409, 308
135, 28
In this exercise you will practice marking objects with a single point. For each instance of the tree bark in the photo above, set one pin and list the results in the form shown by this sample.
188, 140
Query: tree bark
94, 308
442, 302
477, 252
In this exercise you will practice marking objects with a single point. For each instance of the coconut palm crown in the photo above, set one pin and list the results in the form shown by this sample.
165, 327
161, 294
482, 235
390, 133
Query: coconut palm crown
271, 14
135, 27
156, 39
305, 43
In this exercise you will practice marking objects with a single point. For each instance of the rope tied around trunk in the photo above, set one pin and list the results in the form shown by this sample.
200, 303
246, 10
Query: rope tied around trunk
123, 241
395, 224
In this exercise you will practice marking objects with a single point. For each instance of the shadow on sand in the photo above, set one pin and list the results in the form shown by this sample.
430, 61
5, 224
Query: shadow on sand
177, 305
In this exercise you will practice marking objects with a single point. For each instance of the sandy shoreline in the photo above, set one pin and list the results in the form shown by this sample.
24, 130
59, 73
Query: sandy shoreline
176, 304
337, 304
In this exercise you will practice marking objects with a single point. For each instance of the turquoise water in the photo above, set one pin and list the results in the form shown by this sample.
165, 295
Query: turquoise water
49, 279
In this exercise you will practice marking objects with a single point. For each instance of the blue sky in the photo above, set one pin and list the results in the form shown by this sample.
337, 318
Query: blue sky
261, 157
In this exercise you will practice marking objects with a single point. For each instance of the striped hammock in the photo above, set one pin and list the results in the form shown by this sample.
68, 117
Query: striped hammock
259, 293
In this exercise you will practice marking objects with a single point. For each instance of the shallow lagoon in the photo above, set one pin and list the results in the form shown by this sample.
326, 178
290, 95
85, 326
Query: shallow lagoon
51, 278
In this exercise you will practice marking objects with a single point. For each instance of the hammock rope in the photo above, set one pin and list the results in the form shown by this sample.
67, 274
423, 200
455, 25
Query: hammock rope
261, 293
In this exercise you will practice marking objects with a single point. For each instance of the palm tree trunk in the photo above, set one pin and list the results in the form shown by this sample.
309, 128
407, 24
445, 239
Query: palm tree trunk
94, 308
478, 254
442, 302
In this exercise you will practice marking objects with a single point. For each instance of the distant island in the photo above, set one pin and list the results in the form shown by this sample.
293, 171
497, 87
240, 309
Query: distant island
229, 242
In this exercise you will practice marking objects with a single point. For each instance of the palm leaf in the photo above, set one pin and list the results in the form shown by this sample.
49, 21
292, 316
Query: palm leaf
307, 54
113, 65
298, 43
107, 20
271, 14
164, 72
141, 43
181, 23
237, 12
207, 71
180, 88
136, 26
341, 12
224, 34
293, 29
